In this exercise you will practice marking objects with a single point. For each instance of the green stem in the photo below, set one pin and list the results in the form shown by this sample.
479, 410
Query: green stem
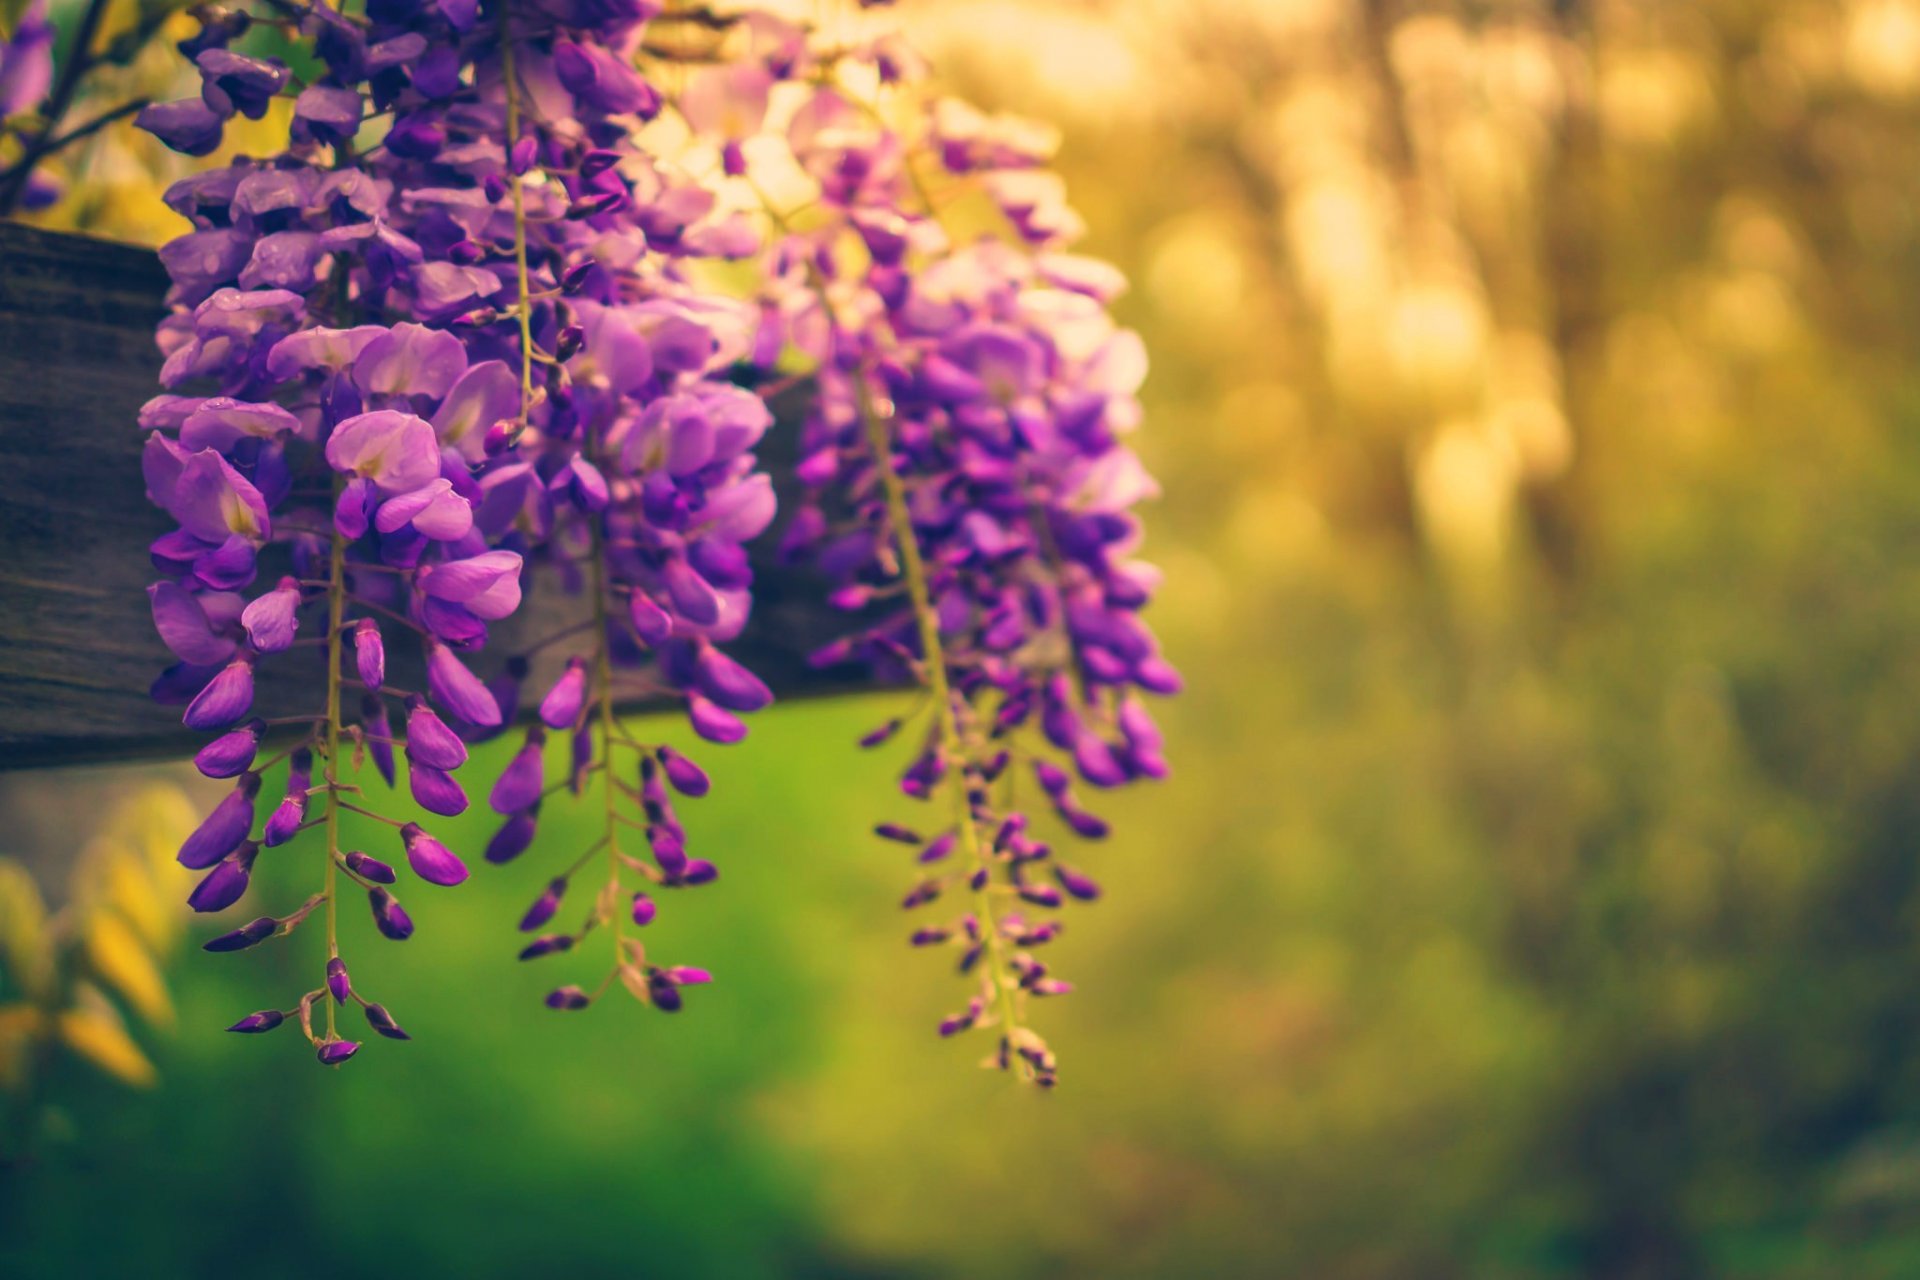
524, 308
336, 609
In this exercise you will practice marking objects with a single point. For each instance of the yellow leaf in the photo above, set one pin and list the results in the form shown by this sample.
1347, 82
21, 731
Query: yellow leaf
96, 1034
23, 920
128, 888
117, 957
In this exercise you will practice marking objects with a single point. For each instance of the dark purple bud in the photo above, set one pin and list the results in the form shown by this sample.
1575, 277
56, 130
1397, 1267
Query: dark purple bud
435, 790
644, 909
560, 709
880, 735
937, 848
597, 162
1053, 779
388, 915
335, 1052
466, 252
929, 937
894, 831
495, 188
543, 906
1083, 824
920, 895
663, 991
252, 933
228, 755
226, 884
1076, 884
514, 836
382, 1022
520, 783
1041, 895
1049, 987
545, 945
369, 867
369, 653
378, 731
698, 871
568, 344
431, 860
568, 997
227, 697
224, 828
1096, 761
575, 278
256, 1023
337, 981
688, 778
525, 151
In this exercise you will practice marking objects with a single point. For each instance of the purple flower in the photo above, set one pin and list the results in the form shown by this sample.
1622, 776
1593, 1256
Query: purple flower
256, 1023
368, 867
228, 755
514, 836
520, 784
396, 451
568, 997
227, 697
334, 1052
431, 860
435, 790
457, 689
233, 82
292, 811
560, 709
370, 656
338, 984
226, 884
543, 907
429, 741
644, 909
382, 1022
688, 778
188, 126
272, 618
223, 829
250, 934
388, 915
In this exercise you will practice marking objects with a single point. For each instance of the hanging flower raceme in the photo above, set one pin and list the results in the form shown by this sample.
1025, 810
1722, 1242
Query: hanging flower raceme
970, 492
631, 478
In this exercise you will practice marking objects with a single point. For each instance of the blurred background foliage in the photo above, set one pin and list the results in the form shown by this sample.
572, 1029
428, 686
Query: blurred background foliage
1537, 399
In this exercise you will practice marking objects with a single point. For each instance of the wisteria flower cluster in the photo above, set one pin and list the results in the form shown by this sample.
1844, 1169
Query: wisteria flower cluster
969, 490
462, 337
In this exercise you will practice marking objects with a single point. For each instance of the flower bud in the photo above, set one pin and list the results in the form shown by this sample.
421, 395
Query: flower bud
337, 981
256, 1023
224, 828
514, 836
560, 709
644, 909
688, 778
252, 933
520, 783
543, 906
226, 884
382, 1022
369, 653
547, 944
335, 1052
229, 754
388, 915
431, 860
292, 810
369, 867
568, 997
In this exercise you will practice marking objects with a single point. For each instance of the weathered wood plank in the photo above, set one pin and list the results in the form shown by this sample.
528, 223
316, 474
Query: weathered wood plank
77, 648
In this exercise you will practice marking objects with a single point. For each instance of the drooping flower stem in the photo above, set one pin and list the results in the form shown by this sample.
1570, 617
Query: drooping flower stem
952, 735
603, 684
336, 629
523, 308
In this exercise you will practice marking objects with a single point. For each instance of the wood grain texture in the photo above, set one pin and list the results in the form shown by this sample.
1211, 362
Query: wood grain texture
77, 646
